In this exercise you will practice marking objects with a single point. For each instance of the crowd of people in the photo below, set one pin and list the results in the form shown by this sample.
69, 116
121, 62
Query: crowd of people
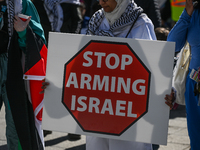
141, 19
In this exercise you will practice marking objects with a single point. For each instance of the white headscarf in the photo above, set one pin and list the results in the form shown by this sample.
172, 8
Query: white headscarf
117, 12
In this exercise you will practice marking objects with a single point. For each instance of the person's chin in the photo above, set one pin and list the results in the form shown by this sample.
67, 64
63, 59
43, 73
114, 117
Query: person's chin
106, 9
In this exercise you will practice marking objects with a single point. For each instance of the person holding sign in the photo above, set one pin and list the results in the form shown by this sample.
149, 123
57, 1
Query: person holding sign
187, 29
119, 18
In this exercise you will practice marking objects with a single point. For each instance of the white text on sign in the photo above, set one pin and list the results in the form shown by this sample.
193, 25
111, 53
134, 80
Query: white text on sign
107, 60
86, 82
97, 82
107, 106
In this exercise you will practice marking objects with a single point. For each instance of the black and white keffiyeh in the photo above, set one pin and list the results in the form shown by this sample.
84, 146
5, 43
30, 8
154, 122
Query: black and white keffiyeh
13, 7
128, 17
55, 13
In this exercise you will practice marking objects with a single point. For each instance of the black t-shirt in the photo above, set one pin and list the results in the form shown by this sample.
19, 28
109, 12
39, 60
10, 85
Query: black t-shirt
4, 38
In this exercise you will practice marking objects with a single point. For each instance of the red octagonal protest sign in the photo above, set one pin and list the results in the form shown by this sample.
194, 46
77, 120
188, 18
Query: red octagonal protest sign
106, 87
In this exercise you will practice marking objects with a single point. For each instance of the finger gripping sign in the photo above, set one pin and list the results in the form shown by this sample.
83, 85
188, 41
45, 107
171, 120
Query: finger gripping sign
106, 87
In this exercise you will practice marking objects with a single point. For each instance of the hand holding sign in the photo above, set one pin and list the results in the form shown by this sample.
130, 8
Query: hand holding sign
44, 86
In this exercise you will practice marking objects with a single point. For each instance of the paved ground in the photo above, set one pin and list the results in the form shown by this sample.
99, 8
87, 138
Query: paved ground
177, 135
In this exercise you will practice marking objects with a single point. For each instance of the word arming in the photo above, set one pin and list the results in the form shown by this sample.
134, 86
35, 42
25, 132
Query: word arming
86, 80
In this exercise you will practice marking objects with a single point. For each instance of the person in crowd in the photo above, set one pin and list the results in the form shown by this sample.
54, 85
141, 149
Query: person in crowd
161, 33
187, 29
152, 10
14, 36
11, 134
60, 16
119, 18
165, 12
176, 9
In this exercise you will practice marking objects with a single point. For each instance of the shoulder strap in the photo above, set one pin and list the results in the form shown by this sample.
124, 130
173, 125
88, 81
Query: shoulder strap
132, 25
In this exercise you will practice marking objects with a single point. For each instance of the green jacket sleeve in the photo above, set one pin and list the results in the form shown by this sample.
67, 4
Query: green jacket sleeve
29, 9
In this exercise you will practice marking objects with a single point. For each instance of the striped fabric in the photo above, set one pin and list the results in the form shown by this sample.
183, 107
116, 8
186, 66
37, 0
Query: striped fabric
12, 10
128, 17
55, 13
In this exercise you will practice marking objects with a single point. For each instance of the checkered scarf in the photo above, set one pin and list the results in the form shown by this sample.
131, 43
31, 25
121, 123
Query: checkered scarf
128, 17
55, 13
13, 7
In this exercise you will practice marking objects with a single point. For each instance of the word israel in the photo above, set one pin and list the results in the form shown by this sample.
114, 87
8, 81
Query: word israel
107, 106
